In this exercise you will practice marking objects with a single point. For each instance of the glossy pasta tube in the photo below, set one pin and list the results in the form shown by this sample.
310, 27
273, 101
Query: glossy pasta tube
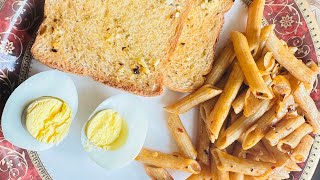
256, 132
221, 109
203, 145
221, 64
260, 152
156, 173
290, 142
205, 174
265, 32
305, 102
236, 129
301, 152
249, 67
281, 158
238, 152
283, 129
281, 86
238, 103
254, 21
163, 160
203, 94
296, 67
226, 162
181, 137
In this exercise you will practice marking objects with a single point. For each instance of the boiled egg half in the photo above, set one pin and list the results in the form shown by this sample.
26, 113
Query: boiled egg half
115, 132
39, 112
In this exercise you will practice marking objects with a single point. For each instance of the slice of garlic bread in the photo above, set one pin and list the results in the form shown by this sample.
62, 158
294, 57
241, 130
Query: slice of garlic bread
118, 42
194, 54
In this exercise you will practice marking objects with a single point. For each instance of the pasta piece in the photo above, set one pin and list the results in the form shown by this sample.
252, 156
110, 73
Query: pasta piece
290, 142
305, 102
156, 173
266, 63
279, 173
226, 162
250, 103
201, 95
238, 103
181, 137
297, 68
283, 129
301, 152
254, 21
281, 159
217, 174
236, 129
260, 152
203, 145
256, 132
281, 86
285, 107
234, 117
205, 174
221, 64
238, 152
249, 67
206, 107
163, 160
265, 32
221, 109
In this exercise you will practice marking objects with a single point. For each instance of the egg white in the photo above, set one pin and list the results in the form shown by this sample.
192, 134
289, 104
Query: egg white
132, 110
49, 83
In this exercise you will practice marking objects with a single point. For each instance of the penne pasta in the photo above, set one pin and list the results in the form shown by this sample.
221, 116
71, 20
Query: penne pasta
217, 174
250, 104
256, 132
221, 64
285, 107
301, 152
236, 129
290, 142
265, 32
254, 21
238, 152
203, 94
279, 173
203, 146
281, 158
266, 63
163, 160
238, 103
157, 173
205, 174
226, 162
281, 86
181, 137
297, 68
305, 102
222, 107
249, 67
283, 129
260, 152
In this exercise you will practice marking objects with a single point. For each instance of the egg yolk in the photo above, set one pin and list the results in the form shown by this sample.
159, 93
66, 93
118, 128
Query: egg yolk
107, 130
48, 119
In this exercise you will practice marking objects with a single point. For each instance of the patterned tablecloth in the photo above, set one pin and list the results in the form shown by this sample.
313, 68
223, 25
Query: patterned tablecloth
19, 19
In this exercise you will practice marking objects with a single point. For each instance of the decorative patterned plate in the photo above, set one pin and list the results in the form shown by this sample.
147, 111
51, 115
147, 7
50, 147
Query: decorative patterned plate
19, 20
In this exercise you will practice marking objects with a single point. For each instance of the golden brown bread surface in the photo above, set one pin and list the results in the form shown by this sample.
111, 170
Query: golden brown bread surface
130, 44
